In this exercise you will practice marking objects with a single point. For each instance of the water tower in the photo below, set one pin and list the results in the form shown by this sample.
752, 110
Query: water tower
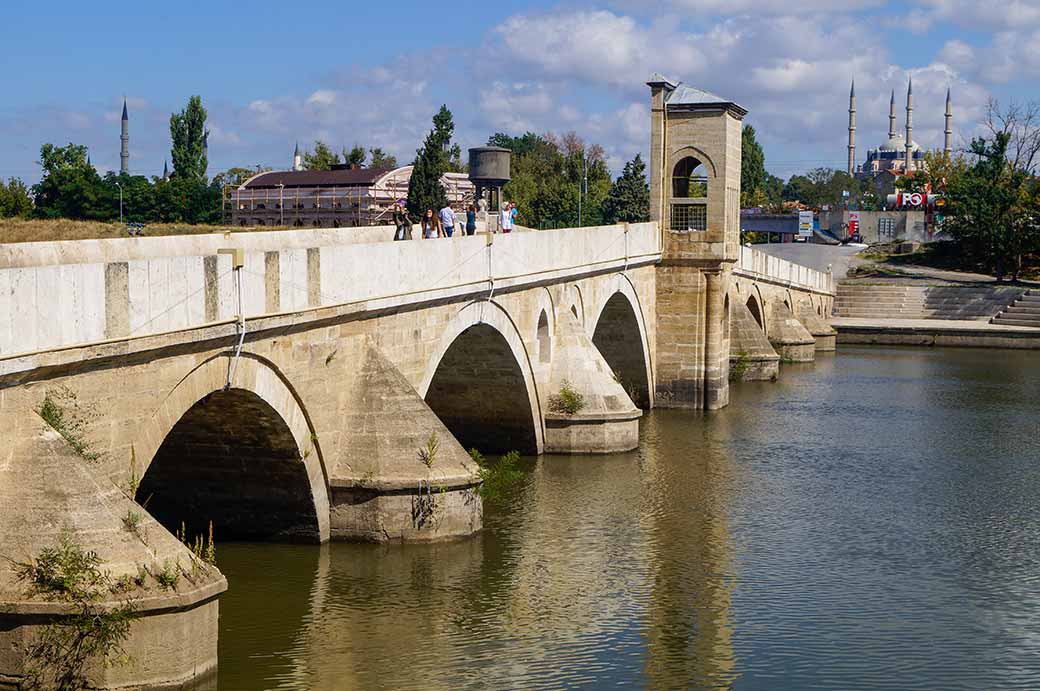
489, 170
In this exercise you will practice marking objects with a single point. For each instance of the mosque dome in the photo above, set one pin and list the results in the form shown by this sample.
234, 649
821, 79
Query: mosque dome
898, 143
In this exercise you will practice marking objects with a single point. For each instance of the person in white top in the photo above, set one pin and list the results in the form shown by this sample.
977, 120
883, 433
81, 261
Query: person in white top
448, 221
505, 218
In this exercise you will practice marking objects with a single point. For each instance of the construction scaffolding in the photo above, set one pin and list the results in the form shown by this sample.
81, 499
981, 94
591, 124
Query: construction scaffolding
320, 206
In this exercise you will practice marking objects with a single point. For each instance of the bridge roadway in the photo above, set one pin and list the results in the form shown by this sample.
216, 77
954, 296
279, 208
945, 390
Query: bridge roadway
341, 404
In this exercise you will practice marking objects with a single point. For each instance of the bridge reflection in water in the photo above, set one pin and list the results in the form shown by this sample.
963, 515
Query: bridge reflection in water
606, 572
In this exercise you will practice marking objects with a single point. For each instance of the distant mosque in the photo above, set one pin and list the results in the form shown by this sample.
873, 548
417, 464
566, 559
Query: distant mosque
900, 153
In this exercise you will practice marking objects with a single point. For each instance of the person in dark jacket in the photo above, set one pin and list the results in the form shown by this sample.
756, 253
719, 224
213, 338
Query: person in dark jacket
403, 222
471, 220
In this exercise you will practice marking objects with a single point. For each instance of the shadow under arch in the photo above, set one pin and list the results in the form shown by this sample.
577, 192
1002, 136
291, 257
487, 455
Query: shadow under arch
481, 385
243, 457
620, 336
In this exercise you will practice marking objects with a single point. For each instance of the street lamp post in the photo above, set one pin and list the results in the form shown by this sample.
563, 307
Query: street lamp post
120, 202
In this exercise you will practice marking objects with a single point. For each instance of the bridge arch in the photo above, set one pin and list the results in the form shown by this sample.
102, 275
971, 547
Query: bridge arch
245, 457
757, 309
480, 382
620, 335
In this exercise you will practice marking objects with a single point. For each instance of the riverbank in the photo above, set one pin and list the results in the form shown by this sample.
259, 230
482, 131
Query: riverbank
934, 332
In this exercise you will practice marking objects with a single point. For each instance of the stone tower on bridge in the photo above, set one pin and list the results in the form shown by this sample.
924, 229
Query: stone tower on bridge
695, 141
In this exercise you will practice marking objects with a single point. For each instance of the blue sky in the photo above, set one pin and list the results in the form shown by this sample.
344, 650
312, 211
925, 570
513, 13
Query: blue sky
274, 73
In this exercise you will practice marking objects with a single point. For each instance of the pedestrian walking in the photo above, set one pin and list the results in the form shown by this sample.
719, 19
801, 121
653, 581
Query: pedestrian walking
448, 220
431, 225
402, 221
471, 220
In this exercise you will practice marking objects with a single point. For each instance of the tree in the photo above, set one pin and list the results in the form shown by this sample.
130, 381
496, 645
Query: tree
14, 199
322, 158
629, 199
993, 209
355, 157
752, 165
71, 188
432, 161
381, 159
232, 176
188, 134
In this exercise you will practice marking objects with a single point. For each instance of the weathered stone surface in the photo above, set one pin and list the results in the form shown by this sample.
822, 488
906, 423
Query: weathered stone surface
749, 348
386, 484
608, 421
819, 329
48, 491
787, 335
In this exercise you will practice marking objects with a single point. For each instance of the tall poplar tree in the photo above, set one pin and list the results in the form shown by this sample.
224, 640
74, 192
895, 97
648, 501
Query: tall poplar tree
433, 160
752, 164
188, 134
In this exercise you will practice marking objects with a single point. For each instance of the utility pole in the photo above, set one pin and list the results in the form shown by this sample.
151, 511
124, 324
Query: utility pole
281, 203
120, 202
583, 186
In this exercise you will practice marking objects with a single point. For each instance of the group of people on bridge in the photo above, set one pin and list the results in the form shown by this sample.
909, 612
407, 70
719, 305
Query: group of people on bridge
441, 224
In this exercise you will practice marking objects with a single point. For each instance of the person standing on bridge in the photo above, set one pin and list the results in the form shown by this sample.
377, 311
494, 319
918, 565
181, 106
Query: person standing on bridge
448, 220
505, 218
471, 220
431, 225
402, 221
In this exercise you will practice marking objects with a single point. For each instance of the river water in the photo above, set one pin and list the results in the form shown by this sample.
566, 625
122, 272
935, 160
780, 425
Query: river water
870, 521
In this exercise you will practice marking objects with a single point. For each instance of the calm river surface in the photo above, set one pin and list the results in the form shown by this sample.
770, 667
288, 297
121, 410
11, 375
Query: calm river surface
868, 522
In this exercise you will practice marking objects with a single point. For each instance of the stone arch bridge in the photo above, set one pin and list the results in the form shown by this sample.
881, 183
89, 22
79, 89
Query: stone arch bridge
327, 384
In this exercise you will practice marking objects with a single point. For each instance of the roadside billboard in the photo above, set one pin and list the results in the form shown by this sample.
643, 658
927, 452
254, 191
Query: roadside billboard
805, 224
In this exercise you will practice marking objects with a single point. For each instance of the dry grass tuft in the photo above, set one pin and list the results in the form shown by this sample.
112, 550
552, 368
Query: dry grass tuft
49, 230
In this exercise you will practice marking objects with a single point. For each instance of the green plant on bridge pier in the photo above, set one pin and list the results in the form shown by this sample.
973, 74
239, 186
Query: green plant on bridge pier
58, 657
567, 402
739, 367
62, 411
497, 478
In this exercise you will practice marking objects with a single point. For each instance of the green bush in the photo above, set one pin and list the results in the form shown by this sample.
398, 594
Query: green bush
567, 402
497, 478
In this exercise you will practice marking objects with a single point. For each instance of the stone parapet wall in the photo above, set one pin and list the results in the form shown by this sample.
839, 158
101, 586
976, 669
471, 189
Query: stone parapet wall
763, 267
54, 295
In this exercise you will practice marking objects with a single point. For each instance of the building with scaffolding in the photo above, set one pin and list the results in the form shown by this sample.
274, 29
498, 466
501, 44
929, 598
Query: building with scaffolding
339, 198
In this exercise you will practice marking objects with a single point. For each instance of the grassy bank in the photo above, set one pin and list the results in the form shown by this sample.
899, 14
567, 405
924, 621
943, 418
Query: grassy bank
888, 261
35, 230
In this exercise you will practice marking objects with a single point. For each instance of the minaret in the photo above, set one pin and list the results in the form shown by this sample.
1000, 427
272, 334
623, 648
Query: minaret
124, 138
948, 144
297, 159
852, 128
892, 116
909, 126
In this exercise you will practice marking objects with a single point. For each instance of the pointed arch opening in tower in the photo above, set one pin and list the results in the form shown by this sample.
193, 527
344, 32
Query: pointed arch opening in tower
231, 459
689, 207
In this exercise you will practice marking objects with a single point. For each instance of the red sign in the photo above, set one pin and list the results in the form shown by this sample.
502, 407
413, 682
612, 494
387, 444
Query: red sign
853, 223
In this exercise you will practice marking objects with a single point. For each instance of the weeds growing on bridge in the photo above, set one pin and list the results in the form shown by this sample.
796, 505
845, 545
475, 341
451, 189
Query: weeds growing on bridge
58, 657
738, 368
62, 411
567, 402
428, 454
497, 478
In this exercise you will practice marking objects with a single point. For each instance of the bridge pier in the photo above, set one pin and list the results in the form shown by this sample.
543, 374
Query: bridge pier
608, 422
400, 473
749, 349
792, 341
825, 336
52, 498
